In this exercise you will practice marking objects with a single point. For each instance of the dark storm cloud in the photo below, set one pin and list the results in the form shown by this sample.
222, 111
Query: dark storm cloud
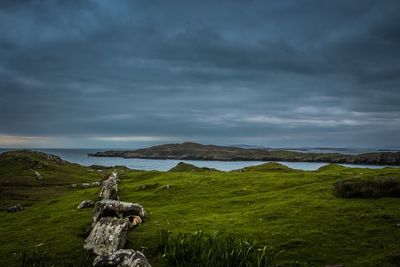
275, 73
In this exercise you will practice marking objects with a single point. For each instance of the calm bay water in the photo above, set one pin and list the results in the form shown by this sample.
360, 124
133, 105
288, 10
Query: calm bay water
80, 156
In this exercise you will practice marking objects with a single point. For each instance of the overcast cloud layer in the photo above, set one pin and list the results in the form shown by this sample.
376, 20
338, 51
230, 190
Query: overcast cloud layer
132, 73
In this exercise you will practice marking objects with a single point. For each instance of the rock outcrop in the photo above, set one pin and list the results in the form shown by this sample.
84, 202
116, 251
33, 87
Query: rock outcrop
109, 187
111, 221
107, 236
122, 258
39, 177
118, 209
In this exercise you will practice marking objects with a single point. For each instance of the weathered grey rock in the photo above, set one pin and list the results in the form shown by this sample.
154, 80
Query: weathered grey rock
122, 258
107, 236
87, 203
119, 209
111, 221
166, 187
109, 187
85, 185
95, 184
15, 208
39, 177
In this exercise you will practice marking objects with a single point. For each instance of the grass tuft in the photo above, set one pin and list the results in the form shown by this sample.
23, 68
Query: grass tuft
202, 249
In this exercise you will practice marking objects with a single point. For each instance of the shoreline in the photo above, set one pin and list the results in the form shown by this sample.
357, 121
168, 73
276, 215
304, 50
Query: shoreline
194, 151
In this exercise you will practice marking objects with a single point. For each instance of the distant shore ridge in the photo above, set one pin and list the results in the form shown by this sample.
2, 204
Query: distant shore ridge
195, 151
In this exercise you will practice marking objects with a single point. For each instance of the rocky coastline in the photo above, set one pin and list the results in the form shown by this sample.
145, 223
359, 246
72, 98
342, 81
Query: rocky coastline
194, 151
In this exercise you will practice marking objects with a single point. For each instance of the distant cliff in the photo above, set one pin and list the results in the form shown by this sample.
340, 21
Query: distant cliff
194, 151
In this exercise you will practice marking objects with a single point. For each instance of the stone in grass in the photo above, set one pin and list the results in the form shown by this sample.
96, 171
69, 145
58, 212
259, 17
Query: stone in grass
109, 187
107, 236
85, 185
122, 258
95, 184
87, 203
166, 187
114, 208
15, 208
39, 177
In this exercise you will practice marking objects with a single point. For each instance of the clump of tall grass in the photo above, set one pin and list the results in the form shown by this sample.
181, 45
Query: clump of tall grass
371, 188
201, 249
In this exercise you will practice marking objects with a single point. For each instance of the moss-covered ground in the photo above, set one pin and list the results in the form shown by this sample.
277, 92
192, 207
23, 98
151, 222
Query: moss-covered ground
295, 211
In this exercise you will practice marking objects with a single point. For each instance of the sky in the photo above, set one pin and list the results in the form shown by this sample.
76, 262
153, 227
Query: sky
125, 74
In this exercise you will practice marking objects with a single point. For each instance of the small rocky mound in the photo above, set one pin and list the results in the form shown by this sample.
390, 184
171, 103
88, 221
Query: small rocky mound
101, 168
332, 167
270, 166
186, 167
30, 159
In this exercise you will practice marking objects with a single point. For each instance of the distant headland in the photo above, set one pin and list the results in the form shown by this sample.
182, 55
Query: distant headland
195, 151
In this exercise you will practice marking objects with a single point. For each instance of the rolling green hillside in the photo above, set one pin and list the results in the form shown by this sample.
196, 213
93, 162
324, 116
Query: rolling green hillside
297, 212
28, 176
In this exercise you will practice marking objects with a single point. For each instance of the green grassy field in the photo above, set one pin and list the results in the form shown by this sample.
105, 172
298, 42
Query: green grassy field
294, 211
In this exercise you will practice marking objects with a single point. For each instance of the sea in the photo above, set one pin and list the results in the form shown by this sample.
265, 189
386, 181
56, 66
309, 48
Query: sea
81, 157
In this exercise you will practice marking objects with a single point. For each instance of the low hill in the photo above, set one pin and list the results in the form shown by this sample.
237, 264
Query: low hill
194, 151
332, 167
186, 167
267, 167
28, 176
33, 168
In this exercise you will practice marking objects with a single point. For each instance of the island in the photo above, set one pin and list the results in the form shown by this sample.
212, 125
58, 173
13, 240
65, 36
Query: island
195, 151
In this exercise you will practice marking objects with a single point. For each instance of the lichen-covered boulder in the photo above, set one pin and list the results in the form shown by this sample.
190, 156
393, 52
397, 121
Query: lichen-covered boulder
95, 184
122, 258
119, 209
109, 187
87, 203
131, 209
107, 236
